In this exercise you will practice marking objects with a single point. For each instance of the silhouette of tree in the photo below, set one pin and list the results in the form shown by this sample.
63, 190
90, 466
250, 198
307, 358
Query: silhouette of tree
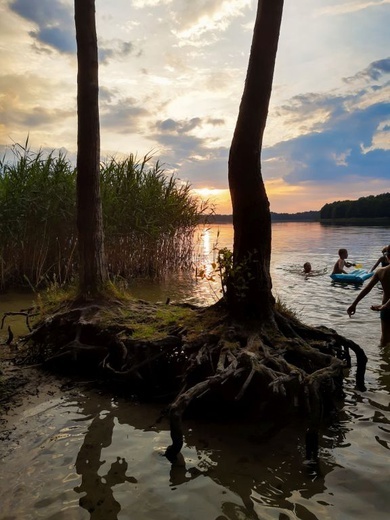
251, 290
92, 269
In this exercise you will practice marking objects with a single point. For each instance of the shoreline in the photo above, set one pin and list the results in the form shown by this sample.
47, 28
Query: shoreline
22, 388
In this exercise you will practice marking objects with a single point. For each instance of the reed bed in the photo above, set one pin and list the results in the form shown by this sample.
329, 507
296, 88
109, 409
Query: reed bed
149, 219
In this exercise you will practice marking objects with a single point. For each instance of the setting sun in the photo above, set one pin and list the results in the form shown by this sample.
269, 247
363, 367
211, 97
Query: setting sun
219, 198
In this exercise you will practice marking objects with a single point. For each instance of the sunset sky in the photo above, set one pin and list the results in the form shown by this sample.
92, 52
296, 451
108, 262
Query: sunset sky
171, 78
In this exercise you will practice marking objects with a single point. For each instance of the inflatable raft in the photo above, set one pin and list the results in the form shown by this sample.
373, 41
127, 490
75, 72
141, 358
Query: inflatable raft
355, 276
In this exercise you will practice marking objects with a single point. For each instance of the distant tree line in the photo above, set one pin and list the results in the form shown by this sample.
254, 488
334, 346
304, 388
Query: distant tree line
275, 217
295, 217
374, 208
371, 207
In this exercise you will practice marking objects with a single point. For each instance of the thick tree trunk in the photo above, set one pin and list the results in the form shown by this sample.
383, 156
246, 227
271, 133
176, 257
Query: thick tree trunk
251, 213
92, 269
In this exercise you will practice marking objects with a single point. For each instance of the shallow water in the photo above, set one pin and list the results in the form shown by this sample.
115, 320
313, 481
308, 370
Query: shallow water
94, 456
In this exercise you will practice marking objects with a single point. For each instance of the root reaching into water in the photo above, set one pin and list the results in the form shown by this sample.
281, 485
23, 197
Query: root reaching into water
201, 361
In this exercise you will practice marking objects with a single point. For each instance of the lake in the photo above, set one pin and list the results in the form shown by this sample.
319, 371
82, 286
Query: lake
98, 457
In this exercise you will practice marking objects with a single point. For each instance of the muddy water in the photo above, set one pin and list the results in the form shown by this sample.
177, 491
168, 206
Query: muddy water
100, 457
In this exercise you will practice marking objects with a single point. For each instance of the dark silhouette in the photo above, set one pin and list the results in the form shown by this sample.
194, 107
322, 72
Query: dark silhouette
92, 267
372, 207
251, 212
382, 260
98, 497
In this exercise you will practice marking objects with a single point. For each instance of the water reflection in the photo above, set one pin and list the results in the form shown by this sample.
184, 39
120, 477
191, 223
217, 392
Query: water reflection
384, 372
232, 471
99, 500
263, 472
258, 479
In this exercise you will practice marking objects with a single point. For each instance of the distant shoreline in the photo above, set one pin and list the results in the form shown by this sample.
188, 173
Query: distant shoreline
306, 216
378, 221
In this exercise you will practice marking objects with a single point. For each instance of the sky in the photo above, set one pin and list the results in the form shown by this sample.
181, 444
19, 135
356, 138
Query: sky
171, 78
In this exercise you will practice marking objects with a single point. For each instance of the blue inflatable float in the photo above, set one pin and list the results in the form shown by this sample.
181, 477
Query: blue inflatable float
356, 276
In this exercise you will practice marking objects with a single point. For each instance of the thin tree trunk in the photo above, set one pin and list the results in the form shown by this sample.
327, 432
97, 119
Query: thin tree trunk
92, 268
251, 213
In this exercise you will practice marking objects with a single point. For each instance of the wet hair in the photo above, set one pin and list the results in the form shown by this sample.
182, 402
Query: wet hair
307, 267
342, 252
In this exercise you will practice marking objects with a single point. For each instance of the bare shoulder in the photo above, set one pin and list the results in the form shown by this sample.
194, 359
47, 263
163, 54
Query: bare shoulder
383, 275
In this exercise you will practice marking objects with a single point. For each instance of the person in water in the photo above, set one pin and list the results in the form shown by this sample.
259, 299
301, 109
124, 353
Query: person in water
307, 270
383, 260
342, 262
382, 275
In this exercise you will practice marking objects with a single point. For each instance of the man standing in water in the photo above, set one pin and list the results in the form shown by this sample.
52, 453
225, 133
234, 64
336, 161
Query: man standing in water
383, 276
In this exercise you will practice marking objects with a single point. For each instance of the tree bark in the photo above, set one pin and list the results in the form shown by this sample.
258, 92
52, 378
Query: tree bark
251, 212
92, 267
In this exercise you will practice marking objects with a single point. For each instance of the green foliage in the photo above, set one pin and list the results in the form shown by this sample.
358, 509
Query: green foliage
287, 311
148, 321
37, 217
225, 267
149, 219
372, 207
237, 276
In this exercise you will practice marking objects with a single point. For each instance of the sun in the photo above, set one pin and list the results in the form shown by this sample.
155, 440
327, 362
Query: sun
207, 192
219, 198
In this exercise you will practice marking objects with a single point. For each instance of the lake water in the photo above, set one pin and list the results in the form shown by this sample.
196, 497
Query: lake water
97, 457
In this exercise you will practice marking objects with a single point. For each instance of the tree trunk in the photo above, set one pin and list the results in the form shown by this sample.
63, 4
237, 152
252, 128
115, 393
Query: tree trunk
92, 268
249, 288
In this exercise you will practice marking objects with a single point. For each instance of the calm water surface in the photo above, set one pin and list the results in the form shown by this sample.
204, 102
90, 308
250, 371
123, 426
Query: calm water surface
94, 457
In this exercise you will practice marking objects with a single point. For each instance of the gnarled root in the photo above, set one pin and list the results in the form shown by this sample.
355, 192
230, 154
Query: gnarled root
295, 367
255, 369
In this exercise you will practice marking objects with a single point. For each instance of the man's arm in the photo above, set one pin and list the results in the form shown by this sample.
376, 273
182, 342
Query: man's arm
375, 265
374, 280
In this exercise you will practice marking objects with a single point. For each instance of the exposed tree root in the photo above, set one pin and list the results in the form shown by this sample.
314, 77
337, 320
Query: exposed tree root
28, 313
202, 361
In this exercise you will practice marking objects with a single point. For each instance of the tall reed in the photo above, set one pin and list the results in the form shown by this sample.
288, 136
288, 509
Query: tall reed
37, 217
149, 218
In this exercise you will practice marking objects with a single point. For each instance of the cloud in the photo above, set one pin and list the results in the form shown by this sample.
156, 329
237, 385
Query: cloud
335, 137
43, 12
54, 21
21, 105
124, 115
115, 50
179, 127
141, 4
188, 155
200, 21
343, 149
374, 71
351, 7
56, 29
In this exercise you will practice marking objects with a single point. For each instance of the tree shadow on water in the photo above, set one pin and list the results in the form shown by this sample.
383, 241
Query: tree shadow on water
270, 476
99, 499
257, 477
